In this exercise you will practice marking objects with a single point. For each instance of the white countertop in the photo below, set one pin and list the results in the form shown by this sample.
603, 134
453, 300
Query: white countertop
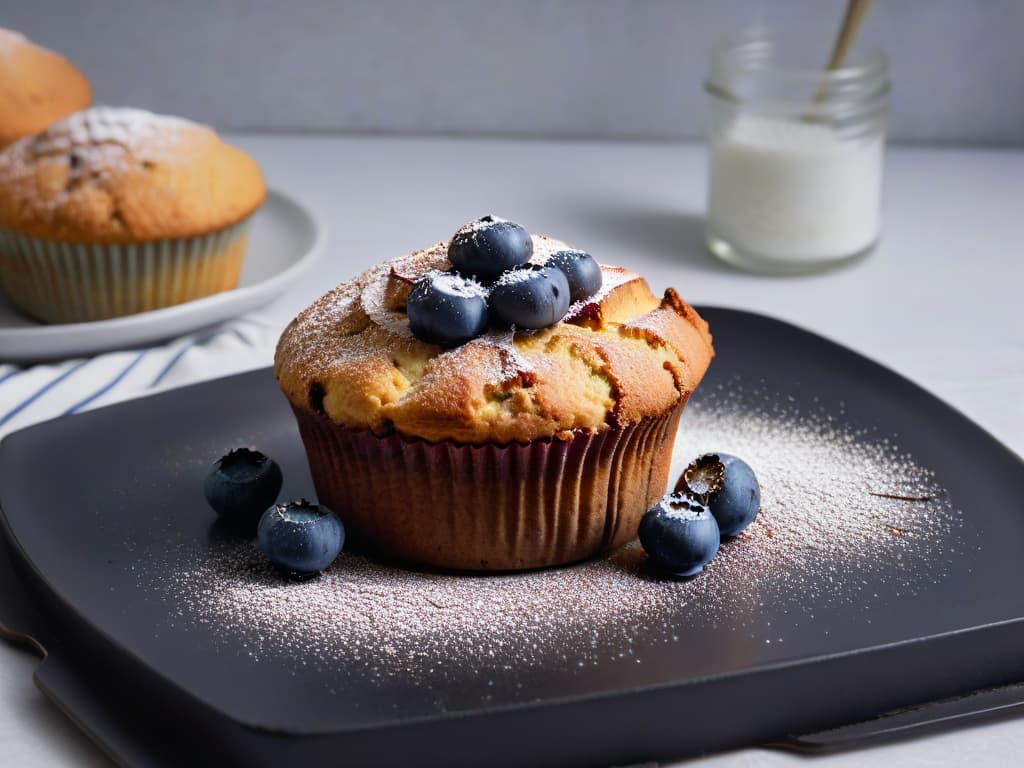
939, 301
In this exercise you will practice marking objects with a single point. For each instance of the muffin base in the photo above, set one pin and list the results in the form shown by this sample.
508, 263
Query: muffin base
490, 507
58, 282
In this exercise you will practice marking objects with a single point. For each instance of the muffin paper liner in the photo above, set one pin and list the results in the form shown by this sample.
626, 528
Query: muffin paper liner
60, 282
490, 507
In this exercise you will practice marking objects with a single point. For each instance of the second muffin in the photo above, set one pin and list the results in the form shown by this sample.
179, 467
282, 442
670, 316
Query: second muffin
114, 211
37, 87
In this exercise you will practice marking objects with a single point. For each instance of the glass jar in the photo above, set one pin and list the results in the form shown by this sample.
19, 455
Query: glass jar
795, 167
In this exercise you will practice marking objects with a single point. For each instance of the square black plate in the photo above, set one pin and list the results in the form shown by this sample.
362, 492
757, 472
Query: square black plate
789, 631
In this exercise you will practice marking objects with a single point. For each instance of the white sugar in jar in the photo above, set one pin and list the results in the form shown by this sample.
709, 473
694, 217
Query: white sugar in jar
795, 166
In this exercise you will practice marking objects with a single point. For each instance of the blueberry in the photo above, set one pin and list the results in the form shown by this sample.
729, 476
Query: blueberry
531, 297
582, 271
301, 537
447, 309
728, 486
680, 535
489, 246
242, 484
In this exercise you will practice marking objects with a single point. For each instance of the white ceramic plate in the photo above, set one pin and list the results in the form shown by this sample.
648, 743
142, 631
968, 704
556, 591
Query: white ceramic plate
284, 241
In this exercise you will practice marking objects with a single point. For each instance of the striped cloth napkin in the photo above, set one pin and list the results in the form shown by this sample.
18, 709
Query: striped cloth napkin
39, 392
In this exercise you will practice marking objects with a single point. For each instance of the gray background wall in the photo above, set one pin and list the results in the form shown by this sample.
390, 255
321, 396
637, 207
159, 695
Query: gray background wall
578, 68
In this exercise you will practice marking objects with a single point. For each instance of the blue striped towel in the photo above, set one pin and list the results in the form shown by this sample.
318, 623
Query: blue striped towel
39, 392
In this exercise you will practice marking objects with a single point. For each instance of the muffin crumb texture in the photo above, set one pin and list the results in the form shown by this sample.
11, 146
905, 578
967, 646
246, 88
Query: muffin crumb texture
618, 357
115, 175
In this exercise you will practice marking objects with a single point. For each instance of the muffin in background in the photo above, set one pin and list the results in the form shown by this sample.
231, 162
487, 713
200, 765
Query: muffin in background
37, 87
516, 449
114, 211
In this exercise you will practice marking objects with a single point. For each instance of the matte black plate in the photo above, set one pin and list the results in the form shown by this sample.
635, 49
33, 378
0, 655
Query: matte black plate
100, 507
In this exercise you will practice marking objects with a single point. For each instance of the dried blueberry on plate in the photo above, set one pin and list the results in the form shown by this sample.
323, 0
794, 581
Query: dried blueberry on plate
680, 535
242, 484
728, 486
301, 537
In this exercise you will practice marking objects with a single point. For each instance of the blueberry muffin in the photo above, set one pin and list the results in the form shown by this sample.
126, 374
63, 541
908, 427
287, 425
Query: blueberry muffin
37, 87
496, 402
110, 212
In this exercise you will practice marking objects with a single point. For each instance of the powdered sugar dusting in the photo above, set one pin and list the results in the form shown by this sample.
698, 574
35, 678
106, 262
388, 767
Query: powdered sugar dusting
484, 222
102, 142
122, 125
511, 364
11, 42
611, 278
835, 518
545, 246
113, 131
457, 285
513, 276
376, 308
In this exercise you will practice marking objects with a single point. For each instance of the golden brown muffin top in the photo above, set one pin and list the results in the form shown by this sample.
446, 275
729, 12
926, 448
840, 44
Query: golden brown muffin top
37, 86
119, 175
617, 357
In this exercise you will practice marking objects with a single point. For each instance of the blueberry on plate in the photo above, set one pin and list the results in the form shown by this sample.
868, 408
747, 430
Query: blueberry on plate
679, 535
531, 297
489, 246
447, 309
242, 484
301, 537
728, 486
581, 270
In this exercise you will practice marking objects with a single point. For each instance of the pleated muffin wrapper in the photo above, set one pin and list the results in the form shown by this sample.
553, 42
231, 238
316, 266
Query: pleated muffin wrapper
59, 282
490, 507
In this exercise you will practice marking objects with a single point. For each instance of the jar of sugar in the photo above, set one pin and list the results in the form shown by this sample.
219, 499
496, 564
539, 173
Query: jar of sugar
795, 166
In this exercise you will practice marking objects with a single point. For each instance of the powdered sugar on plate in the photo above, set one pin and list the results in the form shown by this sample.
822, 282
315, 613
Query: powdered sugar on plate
841, 509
